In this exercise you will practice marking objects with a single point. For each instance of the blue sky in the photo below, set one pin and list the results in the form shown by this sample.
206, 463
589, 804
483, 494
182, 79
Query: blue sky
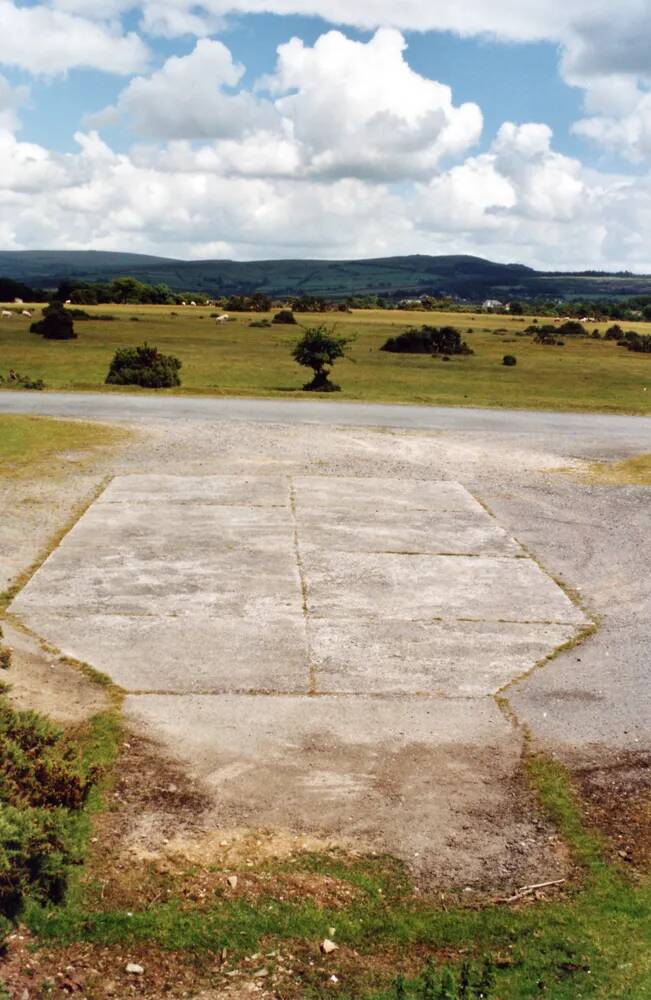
132, 122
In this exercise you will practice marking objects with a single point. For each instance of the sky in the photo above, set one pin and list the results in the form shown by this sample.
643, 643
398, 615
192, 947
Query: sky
518, 130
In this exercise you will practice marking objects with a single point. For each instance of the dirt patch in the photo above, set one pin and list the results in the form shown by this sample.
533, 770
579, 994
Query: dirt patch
46, 683
616, 791
156, 841
94, 972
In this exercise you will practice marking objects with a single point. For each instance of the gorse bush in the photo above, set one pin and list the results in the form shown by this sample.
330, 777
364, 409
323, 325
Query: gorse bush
509, 360
56, 324
285, 316
43, 788
639, 343
428, 340
44, 785
144, 366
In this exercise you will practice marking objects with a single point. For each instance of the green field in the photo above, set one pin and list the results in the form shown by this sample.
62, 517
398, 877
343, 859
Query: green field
233, 359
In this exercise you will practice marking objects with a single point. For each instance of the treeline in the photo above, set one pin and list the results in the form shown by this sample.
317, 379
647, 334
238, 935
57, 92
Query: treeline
122, 291
10, 290
130, 291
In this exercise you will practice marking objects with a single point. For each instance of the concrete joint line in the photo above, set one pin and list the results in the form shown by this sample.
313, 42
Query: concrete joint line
311, 670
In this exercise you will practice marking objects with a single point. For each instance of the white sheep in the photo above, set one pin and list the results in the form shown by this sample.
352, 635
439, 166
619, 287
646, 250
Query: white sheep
6, 314
221, 319
26, 312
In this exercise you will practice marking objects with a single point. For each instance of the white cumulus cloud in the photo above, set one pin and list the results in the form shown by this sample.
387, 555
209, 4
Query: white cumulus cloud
187, 99
44, 41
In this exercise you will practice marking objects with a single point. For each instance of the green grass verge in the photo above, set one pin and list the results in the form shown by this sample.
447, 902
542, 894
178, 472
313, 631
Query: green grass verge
593, 942
235, 359
31, 446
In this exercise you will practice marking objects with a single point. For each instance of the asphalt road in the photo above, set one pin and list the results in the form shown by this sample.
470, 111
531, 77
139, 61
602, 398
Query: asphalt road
611, 430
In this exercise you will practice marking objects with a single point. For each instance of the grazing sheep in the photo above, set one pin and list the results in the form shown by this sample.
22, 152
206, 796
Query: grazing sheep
193, 303
222, 319
6, 313
26, 312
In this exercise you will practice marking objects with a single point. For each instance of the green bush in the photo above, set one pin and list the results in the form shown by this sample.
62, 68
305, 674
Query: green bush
285, 316
428, 340
509, 360
44, 785
56, 324
144, 366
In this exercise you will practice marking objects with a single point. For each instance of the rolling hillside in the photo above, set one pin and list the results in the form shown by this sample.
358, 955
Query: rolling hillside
459, 275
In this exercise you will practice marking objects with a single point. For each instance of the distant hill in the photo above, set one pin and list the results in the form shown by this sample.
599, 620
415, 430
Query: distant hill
459, 275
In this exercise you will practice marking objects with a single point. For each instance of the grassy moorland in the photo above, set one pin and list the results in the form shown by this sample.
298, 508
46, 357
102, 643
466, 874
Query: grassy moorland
235, 359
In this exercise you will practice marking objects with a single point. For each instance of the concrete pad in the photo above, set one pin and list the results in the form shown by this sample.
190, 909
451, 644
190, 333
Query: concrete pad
321, 650
256, 491
385, 585
393, 773
185, 653
452, 659
348, 493
441, 533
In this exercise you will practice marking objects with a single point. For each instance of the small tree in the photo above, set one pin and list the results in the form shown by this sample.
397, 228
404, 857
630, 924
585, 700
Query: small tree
56, 323
144, 366
318, 349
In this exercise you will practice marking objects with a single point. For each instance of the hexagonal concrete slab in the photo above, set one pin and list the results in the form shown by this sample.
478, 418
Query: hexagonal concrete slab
255, 621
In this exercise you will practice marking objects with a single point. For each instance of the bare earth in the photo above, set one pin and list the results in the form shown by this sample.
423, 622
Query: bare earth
322, 731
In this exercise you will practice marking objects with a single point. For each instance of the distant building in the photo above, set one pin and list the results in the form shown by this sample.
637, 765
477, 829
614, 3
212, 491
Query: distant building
492, 304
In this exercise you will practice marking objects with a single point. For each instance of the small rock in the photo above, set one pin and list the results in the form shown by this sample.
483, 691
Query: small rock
261, 973
333, 979
232, 881
328, 946
134, 968
332, 931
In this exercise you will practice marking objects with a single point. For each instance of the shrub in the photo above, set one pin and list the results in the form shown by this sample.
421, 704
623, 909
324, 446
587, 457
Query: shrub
318, 349
509, 360
614, 332
428, 340
144, 366
44, 784
640, 343
572, 327
56, 323
284, 316
262, 324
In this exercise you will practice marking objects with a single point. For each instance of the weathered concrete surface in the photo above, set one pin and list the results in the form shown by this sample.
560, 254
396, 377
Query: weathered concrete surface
348, 767
319, 647
427, 657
